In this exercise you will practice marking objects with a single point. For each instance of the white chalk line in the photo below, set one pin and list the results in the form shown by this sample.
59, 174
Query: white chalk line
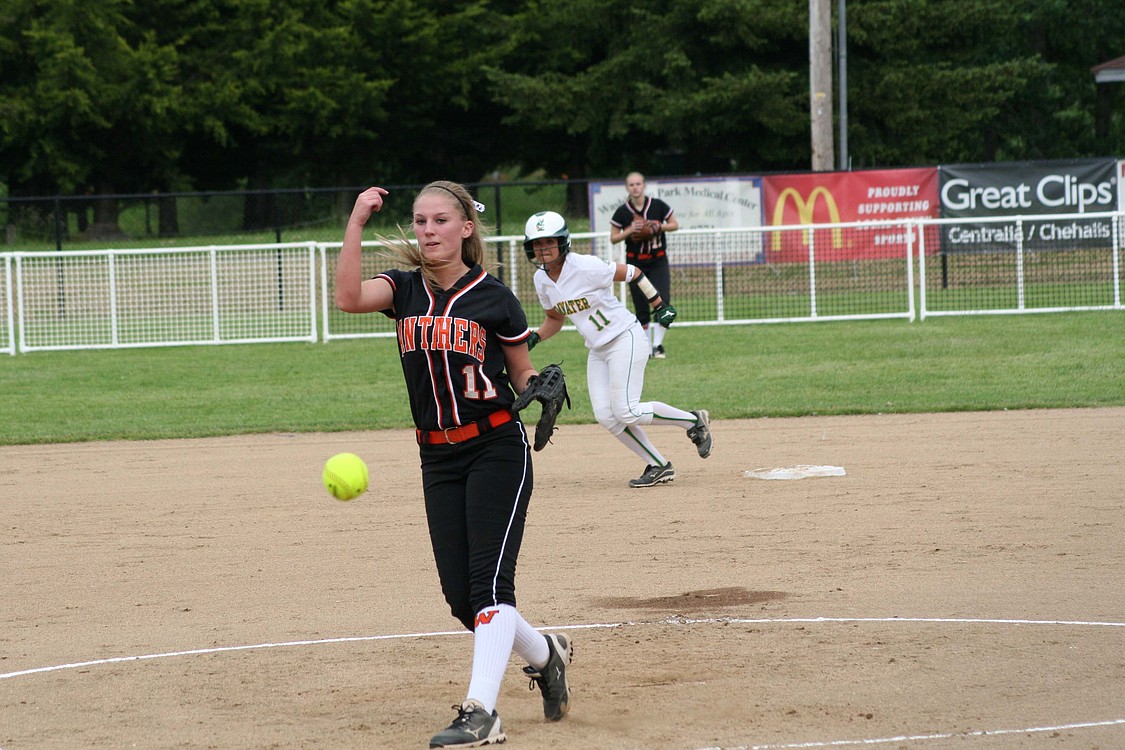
221, 649
923, 737
665, 621
589, 626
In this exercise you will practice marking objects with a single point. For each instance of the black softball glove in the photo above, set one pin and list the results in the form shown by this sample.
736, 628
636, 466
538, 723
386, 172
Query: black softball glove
549, 389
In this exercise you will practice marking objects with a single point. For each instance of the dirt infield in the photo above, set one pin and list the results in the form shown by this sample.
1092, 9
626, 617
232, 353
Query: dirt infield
962, 586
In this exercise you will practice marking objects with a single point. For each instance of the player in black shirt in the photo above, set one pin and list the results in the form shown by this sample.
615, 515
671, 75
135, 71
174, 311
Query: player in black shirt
462, 340
647, 249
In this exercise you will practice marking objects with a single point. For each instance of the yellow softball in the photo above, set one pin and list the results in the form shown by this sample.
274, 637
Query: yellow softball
345, 476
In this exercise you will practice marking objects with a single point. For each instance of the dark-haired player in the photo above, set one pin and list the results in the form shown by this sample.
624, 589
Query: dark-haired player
581, 288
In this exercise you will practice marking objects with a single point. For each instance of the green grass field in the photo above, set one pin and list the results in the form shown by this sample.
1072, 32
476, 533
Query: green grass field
942, 364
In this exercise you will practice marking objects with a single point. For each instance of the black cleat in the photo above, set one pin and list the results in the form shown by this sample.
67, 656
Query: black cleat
701, 433
473, 727
551, 679
654, 475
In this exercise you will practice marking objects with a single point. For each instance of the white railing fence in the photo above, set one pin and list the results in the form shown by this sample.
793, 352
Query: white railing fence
103, 299
848, 271
7, 315
1021, 264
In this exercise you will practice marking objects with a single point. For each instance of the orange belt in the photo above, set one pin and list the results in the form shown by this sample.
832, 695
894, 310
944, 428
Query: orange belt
465, 432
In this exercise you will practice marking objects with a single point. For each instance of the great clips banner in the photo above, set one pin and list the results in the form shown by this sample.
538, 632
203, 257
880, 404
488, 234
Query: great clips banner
1027, 188
841, 197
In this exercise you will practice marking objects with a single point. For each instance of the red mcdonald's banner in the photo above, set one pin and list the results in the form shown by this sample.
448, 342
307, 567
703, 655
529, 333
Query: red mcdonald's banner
843, 197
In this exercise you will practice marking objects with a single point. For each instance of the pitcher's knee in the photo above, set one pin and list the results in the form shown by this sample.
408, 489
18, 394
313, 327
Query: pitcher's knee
463, 611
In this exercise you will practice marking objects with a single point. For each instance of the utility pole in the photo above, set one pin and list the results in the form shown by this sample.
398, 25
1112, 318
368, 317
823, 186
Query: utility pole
842, 75
820, 84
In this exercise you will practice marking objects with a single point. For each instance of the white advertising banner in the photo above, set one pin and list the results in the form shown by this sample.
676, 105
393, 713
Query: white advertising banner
698, 203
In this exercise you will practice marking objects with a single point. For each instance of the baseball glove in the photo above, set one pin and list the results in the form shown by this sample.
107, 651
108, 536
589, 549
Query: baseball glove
648, 230
549, 389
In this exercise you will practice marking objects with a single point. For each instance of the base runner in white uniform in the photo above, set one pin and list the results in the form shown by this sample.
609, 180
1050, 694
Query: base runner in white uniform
580, 287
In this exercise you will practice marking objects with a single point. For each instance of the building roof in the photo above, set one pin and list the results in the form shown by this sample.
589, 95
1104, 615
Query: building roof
1110, 72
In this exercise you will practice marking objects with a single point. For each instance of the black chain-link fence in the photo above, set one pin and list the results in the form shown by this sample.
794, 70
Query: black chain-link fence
253, 216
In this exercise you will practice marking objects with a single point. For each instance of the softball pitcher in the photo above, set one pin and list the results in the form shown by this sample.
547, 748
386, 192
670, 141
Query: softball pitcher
580, 287
462, 340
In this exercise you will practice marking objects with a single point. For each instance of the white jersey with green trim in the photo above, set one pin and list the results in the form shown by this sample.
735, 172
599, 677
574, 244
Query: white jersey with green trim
584, 294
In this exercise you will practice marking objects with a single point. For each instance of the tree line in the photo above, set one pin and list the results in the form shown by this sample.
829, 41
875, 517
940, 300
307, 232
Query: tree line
135, 96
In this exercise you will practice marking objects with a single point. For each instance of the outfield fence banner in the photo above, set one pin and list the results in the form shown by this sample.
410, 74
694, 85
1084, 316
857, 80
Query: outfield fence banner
1051, 196
97, 299
887, 198
697, 202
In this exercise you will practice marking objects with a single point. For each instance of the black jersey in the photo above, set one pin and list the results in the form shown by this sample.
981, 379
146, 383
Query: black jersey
653, 210
450, 345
